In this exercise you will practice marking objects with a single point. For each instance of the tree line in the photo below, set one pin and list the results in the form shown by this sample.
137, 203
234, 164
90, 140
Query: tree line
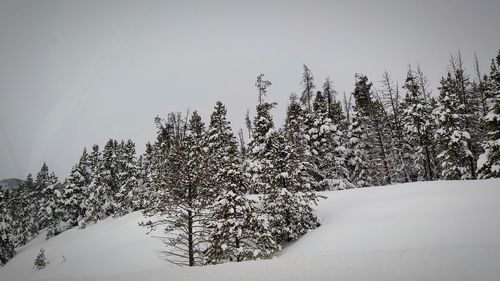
220, 199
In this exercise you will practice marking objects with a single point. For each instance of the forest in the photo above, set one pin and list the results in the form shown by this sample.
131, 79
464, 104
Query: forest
219, 198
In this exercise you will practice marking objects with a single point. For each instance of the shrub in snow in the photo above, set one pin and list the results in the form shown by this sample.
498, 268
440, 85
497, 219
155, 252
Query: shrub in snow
40, 260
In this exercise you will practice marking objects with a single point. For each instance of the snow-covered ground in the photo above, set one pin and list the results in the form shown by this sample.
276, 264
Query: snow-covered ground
419, 231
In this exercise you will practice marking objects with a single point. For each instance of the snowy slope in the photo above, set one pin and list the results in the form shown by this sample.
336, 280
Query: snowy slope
420, 231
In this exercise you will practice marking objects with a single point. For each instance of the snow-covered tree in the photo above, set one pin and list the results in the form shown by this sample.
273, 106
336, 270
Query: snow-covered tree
257, 157
75, 190
324, 144
127, 178
360, 146
418, 128
100, 203
7, 250
48, 195
23, 204
180, 202
334, 106
455, 154
235, 231
489, 161
143, 190
287, 201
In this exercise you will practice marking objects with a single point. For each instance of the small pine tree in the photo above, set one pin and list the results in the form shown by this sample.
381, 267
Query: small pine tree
40, 260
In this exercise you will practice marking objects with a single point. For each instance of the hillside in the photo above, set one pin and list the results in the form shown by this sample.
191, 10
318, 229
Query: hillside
10, 183
419, 231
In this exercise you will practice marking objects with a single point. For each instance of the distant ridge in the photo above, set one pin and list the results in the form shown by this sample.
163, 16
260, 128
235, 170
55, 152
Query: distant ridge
10, 183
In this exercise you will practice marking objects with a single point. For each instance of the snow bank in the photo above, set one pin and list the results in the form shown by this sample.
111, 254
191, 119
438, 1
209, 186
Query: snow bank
420, 231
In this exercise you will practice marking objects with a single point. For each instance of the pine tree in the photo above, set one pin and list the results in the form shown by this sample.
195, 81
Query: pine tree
100, 203
7, 250
234, 230
48, 194
23, 211
40, 260
361, 153
104, 185
287, 202
455, 154
489, 161
127, 178
257, 159
143, 191
324, 144
168, 133
75, 190
418, 129
399, 152
180, 201
470, 109
335, 112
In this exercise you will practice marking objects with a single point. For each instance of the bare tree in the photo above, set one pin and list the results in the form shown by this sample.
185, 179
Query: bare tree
308, 92
262, 86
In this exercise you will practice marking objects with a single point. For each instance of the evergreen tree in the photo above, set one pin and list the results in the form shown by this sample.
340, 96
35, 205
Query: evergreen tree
100, 203
7, 250
334, 106
399, 152
143, 190
287, 202
23, 212
75, 190
324, 144
257, 157
455, 154
180, 200
418, 129
127, 178
48, 194
234, 230
359, 159
489, 161
470, 109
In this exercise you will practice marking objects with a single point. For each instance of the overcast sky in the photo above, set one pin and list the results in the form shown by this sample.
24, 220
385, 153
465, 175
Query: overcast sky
75, 73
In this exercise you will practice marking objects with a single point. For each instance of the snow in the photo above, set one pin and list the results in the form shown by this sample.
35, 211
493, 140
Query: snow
446, 230
483, 158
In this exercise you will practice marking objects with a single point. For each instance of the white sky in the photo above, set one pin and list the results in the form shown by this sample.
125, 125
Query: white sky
75, 73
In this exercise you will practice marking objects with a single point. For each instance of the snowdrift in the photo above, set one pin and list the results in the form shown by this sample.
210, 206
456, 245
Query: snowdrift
419, 231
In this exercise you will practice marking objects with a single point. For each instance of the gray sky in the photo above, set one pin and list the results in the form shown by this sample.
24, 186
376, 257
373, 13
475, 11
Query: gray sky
74, 73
